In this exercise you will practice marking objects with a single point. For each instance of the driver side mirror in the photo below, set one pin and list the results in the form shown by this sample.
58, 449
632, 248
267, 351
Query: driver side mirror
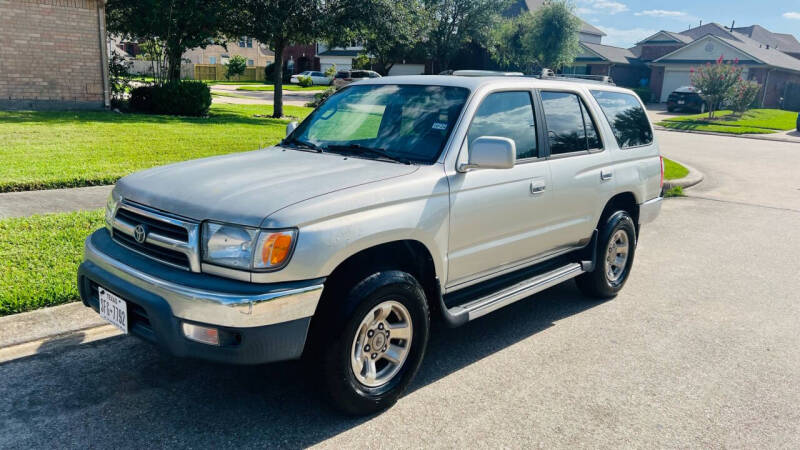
291, 126
491, 152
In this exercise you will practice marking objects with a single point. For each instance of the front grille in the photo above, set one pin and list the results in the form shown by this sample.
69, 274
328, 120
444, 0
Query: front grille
168, 239
154, 251
163, 228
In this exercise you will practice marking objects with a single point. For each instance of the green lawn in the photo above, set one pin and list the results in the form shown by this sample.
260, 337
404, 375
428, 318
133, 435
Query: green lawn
46, 150
673, 170
286, 87
755, 121
39, 258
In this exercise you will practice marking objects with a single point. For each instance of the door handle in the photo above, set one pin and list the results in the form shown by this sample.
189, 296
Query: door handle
537, 187
606, 175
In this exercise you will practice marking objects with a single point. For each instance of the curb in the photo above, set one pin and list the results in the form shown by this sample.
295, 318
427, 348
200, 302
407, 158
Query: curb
49, 329
759, 137
694, 177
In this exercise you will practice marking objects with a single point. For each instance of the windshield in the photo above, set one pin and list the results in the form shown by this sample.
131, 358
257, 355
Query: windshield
399, 122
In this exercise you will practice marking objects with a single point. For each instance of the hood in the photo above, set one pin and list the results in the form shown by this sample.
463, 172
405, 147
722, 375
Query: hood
245, 188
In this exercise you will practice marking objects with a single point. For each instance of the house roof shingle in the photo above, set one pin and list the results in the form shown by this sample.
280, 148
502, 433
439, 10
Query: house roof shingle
616, 55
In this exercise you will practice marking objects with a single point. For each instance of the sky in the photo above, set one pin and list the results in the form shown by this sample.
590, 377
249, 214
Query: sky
628, 21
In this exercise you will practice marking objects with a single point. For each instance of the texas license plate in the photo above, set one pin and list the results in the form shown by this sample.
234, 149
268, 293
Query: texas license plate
113, 309
680, 102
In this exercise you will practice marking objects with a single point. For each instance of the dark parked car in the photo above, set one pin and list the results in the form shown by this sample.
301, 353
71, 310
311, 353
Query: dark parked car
686, 98
345, 77
798, 122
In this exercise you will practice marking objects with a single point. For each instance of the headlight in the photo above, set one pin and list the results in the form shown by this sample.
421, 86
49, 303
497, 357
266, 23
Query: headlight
111, 209
246, 248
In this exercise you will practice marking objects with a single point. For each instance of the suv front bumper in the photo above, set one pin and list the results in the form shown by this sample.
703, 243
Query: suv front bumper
257, 323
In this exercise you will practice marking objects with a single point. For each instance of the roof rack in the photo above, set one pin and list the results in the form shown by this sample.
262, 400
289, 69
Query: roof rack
483, 73
548, 74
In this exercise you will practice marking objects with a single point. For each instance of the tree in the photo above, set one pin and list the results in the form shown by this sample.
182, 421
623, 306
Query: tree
171, 26
452, 24
547, 38
716, 82
391, 31
235, 66
277, 24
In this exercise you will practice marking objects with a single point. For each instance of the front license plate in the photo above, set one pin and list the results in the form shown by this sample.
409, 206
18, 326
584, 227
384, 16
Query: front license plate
113, 309
680, 102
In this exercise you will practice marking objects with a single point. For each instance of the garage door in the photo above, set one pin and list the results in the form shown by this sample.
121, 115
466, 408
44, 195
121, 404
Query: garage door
673, 79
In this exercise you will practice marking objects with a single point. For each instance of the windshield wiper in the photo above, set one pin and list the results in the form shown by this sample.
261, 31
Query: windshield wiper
302, 144
358, 149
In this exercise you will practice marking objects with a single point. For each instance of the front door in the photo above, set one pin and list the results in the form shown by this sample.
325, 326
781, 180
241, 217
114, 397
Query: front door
498, 217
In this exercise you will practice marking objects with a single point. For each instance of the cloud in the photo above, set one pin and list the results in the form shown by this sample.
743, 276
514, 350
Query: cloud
667, 14
625, 38
591, 7
791, 15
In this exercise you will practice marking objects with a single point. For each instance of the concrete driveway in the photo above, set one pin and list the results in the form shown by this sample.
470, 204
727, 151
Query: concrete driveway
699, 350
294, 98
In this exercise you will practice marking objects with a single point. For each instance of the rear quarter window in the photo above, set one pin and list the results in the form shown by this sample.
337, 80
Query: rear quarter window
627, 118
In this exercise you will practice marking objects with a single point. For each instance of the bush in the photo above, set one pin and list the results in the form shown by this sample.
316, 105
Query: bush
235, 66
716, 82
268, 71
305, 81
743, 95
321, 97
644, 93
183, 98
330, 72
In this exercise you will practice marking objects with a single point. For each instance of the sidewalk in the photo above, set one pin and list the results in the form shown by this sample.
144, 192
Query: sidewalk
28, 203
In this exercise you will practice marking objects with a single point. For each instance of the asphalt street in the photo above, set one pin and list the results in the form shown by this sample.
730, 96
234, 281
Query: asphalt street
699, 350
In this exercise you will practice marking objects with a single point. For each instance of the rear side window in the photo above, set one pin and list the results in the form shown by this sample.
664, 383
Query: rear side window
342, 74
627, 118
510, 115
569, 126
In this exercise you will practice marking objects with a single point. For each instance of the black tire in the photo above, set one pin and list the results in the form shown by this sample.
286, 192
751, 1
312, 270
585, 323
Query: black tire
597, 282
670, 109
342, 322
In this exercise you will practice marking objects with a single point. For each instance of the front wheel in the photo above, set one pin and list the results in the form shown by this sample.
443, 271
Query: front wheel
616, 246
375, 350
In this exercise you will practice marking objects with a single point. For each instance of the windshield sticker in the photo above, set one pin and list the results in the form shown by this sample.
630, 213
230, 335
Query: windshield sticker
439, 126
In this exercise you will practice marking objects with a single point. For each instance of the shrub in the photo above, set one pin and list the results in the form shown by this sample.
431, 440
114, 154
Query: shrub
743, 95
330, 72
305, 81
268, 71
235, 66
181, 98
321, 97
644, 93
362, 62
119, 79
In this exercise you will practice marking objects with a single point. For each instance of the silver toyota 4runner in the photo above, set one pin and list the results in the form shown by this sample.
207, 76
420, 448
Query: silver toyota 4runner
397, 200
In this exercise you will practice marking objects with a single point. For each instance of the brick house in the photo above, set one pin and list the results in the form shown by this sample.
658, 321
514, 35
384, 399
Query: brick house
53, 54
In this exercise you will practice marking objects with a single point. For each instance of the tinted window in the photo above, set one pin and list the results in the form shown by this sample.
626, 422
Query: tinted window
627, 118
342, 74
404, 121
565, 125
359, 74
507, 114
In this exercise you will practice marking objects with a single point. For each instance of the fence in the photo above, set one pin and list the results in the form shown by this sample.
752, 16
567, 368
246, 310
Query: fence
214, 72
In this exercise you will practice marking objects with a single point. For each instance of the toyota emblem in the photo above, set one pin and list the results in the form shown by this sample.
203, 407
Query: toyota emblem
140, 234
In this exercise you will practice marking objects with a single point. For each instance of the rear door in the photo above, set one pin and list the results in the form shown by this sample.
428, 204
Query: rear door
582, 173
498, 216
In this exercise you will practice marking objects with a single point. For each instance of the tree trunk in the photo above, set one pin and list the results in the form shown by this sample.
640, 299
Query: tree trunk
277, 102
174, 65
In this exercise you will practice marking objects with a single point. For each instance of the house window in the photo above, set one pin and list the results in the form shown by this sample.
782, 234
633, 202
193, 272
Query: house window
250, 62
245, 41
212, 59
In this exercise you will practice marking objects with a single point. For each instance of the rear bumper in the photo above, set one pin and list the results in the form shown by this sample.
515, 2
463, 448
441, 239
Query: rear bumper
649, 210
258, 323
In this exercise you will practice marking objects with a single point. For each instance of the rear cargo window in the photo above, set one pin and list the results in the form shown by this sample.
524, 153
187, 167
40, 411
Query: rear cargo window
627, 118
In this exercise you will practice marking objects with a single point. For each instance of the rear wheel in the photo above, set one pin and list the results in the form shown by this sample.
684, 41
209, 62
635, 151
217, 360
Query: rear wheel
374, 342
670, 109
616, 246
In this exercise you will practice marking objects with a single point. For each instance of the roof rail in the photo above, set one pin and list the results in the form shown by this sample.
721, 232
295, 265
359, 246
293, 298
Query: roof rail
548, 74
483, 73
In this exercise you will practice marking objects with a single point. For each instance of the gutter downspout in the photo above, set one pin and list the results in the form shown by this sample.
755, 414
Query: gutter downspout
766, 84
101, 22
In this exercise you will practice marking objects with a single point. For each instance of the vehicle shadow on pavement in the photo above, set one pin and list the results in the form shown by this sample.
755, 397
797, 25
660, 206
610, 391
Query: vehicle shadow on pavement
121, 392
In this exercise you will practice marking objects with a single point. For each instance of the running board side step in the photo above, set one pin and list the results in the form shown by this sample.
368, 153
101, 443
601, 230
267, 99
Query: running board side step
459, 315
